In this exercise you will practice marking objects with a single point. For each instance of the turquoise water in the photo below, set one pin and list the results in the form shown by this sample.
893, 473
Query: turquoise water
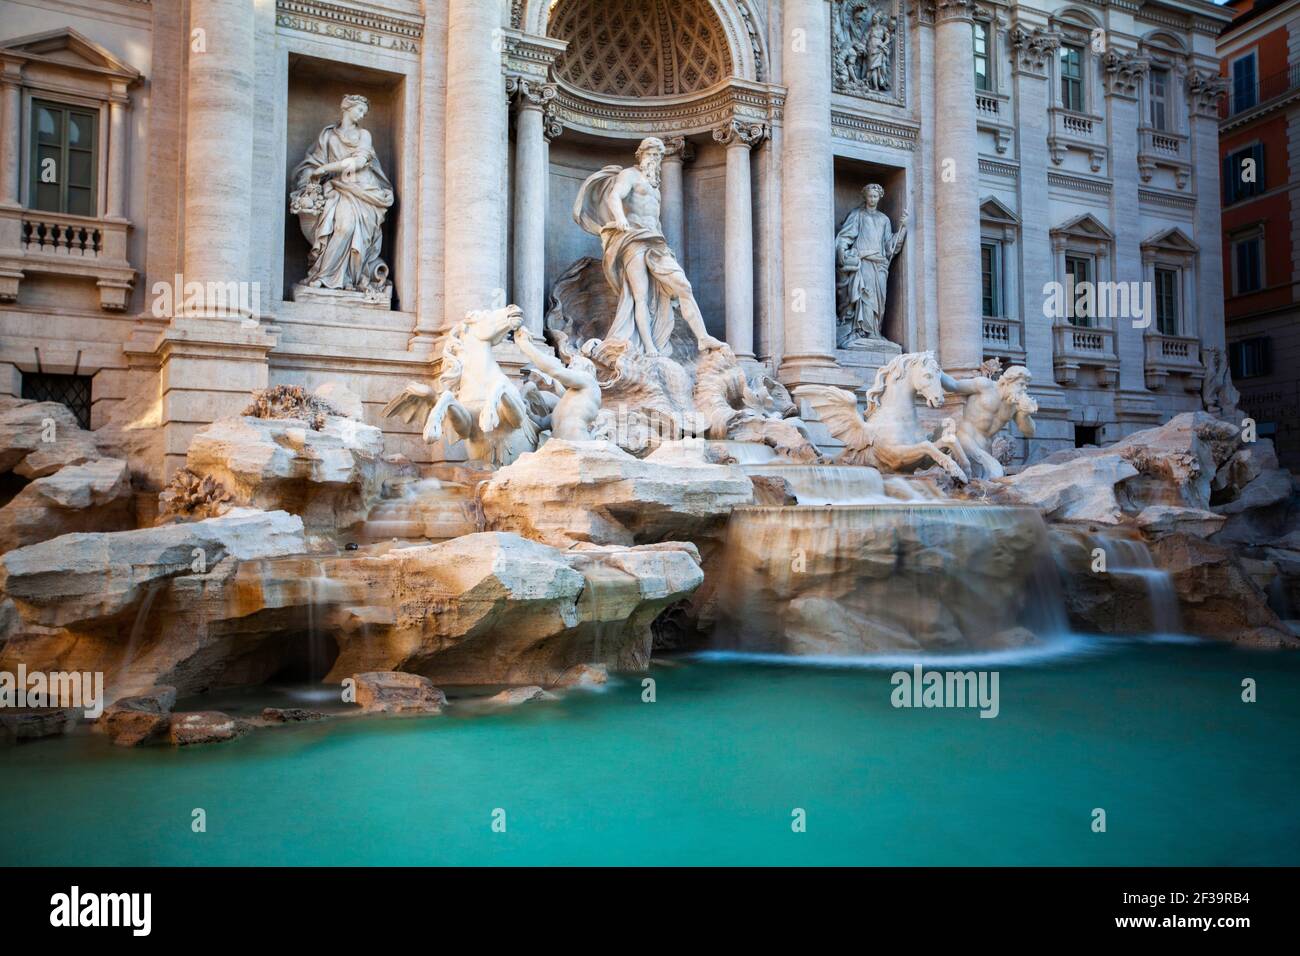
1155, 734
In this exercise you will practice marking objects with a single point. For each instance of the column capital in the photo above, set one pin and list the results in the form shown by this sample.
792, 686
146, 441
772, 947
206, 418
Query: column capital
1123, 70
945, 10
528, 93
1204, 90
552, 125
679, 149
1034, 48
738, 132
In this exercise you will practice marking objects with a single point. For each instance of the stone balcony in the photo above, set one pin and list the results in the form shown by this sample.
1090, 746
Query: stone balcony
1078, 346
58, 244
993, 114
1081, 132
1168, 355
1004, 338
1157, 148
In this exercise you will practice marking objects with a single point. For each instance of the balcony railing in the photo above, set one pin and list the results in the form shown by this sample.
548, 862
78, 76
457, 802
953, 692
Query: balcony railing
1003, 337
1081, 131
1172, 355
1081, 346
33, 241
1246, 97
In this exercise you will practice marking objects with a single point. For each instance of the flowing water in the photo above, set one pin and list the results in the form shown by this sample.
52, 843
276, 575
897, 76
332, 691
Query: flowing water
710, 773
1129, 557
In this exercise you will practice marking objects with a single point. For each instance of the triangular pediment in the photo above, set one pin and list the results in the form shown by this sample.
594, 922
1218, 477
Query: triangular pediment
1085, 226
1171, 240
66, 47
993, 210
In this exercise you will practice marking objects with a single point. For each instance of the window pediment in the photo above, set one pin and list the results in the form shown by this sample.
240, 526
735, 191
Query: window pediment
1172, 240
1086, 227
66, 48
993, 211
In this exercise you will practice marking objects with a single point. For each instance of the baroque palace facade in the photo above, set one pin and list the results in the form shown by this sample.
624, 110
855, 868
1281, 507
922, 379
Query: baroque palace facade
152, 263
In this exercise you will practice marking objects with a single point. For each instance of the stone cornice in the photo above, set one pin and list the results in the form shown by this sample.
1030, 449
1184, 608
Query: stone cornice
863, 129
321, 18
734, 98
529, 55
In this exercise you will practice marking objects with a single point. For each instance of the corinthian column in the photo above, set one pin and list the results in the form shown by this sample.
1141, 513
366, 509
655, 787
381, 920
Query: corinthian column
957, 223
739, 137
219, 144
529, 253
477, 147
807, 202
672, 208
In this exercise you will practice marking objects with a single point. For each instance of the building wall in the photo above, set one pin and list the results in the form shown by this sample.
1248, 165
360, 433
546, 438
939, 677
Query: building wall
1032, 180
1270, 315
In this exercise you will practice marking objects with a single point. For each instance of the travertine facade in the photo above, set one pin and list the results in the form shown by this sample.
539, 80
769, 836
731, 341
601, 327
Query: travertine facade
1025, 140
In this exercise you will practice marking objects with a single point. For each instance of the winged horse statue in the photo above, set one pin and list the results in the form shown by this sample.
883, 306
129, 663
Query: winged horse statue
485, 409
890, 436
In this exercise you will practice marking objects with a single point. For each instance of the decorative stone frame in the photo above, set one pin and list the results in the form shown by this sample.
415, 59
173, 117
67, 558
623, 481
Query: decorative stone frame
1253, 231
1075, 347
1069, 129
1168, 148
1178, 354
1004, 335
57, 243
897, 94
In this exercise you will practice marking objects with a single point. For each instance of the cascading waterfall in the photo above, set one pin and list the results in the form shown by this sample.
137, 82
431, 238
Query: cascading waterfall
826, 484
868, 579
1131, 558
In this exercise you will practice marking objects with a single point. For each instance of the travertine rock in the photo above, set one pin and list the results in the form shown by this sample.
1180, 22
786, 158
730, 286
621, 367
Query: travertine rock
1156, 521
342, 399
39, 438
290, 715
594, 492
1216, 594
35, 723
1245, 465
330, 477
1082, 489
132, 721
95, 496
205, 727
1262, 511
514, 696
85, 579
390, 692
496, 608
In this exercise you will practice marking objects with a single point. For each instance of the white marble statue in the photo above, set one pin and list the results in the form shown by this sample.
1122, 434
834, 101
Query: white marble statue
573, 381
621, 206
864, 248
485, 408
1218, 394
879, 47
891, 437
990, 405
341, 196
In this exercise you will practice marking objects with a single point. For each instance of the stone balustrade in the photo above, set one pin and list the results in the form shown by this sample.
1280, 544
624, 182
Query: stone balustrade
1173, 355
1079, 346
64, 245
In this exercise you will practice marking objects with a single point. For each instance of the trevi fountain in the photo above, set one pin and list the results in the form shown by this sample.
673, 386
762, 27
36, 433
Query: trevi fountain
658, 595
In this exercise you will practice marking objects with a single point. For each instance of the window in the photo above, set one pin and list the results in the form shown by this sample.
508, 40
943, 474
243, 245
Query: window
1159, 87
991, 279
1087, 435
1166, 301
1250, 357
1247, 265
70, 390
983, 73
1243, 83
1072, 77
64, 166
1243, 173
1078, 269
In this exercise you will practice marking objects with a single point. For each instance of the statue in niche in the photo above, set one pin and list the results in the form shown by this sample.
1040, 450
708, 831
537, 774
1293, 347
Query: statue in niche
990, 404
1218, 394
341, 196
864, 248
862, 39
621, 207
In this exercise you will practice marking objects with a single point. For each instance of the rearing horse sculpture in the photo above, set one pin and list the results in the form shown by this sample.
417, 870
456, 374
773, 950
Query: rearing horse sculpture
485, 408
891, 437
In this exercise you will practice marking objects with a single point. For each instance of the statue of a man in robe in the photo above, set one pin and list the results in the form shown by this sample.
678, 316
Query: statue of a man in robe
864, 248
621, 206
